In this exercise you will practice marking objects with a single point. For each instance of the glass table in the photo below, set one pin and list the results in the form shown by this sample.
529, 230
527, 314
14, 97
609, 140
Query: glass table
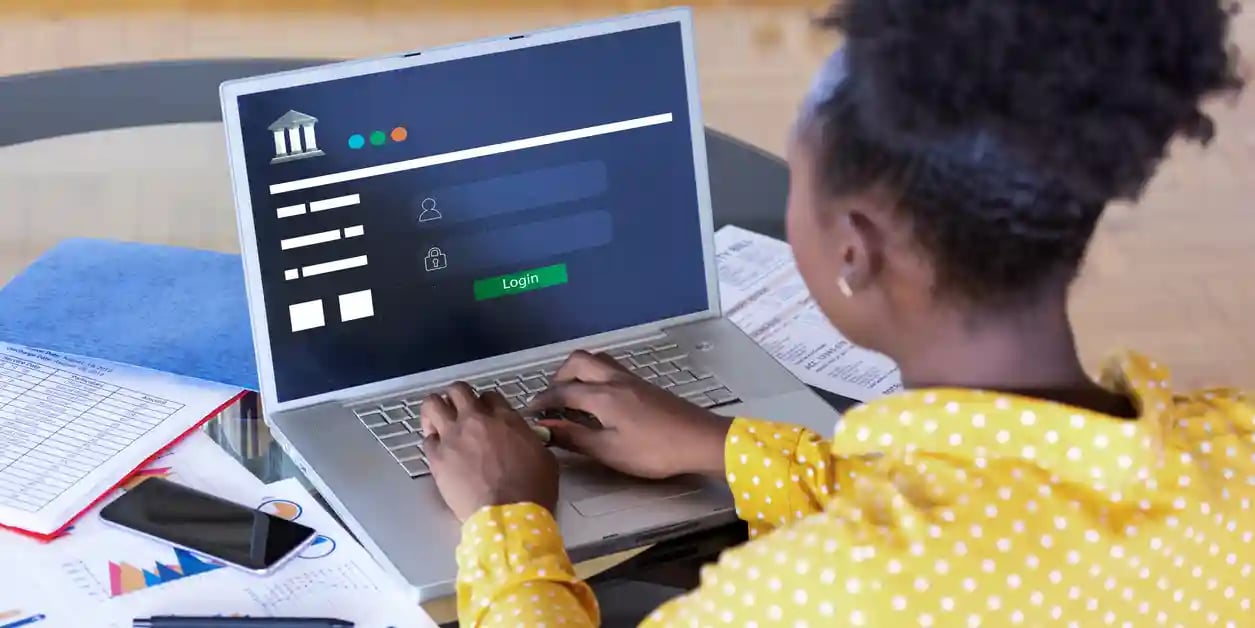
240, 430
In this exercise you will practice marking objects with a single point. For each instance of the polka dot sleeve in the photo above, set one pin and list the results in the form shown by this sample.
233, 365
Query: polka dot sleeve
778, 473
513, 570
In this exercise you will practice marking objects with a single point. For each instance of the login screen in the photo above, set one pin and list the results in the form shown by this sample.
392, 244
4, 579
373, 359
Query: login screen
420, 218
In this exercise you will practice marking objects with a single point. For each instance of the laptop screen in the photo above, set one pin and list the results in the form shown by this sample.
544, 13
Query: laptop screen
425, 217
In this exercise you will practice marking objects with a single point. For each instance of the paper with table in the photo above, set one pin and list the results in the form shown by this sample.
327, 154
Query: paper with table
763, 294
196, 461
54, 578
71, 428
101, 576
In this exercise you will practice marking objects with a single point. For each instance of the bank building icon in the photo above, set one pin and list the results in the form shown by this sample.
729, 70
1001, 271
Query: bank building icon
294, 137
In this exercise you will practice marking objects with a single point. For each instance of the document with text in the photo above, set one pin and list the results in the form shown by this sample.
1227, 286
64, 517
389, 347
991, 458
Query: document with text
103, 576
71, 428
763, 294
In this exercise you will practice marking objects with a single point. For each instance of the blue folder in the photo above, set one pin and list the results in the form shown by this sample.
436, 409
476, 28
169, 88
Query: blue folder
166, 308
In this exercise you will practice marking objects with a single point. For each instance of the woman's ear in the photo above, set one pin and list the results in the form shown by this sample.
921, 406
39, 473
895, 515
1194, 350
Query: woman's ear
862, 249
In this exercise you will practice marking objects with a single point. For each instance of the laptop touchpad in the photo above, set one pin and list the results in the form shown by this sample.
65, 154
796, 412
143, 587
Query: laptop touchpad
635, 497
594, 490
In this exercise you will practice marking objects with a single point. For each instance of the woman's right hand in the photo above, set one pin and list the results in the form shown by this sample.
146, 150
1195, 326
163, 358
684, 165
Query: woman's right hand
645, 431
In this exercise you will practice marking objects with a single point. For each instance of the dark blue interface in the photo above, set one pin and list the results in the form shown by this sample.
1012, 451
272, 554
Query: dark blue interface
420, 218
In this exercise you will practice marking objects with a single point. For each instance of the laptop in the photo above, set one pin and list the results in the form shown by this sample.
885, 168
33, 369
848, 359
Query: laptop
477, 212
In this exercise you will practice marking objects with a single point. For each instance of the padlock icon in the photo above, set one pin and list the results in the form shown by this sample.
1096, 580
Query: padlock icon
435, 260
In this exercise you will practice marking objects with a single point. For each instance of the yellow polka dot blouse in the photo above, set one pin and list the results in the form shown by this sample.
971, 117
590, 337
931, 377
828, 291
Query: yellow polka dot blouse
946, 508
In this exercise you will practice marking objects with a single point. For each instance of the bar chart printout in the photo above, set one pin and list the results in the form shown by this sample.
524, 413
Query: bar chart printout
125, 578
100, 576
72, 428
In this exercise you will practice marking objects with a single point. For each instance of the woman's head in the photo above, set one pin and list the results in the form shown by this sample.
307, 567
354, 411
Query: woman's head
962, 164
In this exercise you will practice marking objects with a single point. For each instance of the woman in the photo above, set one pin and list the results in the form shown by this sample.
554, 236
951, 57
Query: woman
943, 196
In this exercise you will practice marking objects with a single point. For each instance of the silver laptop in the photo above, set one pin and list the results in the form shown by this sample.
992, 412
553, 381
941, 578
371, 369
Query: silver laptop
476, 212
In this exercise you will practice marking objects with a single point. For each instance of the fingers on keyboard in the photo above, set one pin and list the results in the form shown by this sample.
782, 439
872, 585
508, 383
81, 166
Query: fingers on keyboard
397, 427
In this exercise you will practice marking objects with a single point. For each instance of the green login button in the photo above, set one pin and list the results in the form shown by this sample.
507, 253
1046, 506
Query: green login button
515, 283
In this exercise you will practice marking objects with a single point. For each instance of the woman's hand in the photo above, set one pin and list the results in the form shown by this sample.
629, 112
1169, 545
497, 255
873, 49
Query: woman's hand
482, 453
646, 431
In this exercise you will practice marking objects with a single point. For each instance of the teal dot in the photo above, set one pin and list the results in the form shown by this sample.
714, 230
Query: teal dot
378, 138
356, 141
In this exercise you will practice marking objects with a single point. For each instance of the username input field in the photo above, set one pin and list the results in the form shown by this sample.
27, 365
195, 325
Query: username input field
507, 194
506, 249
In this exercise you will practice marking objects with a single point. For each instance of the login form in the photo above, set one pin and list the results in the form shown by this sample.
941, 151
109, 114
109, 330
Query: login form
419, 218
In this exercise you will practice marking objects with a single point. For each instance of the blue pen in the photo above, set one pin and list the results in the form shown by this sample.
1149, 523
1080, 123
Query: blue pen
26, 622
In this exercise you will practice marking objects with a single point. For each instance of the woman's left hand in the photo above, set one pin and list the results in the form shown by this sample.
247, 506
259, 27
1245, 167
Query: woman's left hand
482, 453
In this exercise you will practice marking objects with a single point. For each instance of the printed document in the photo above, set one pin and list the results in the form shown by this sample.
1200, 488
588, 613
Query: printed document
99, 576
72, 428
763, 294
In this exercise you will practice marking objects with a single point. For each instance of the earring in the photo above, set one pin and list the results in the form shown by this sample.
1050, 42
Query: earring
844, 286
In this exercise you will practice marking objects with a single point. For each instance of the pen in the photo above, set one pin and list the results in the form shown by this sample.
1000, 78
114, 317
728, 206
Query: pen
240, 622
25, 622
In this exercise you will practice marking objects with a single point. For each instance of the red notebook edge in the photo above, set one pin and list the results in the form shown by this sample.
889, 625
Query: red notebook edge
46, 538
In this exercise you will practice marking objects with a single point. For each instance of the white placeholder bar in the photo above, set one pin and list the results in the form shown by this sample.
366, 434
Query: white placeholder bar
469, 153
321, 237
355, 305
334, 266
307, 315
291, 273
291, 210
335, 203
354, 231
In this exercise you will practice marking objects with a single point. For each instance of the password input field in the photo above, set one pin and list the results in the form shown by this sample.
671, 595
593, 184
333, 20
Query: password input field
469, 153
507, 248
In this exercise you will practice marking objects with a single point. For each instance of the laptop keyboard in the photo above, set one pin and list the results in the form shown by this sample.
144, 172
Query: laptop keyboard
396, 425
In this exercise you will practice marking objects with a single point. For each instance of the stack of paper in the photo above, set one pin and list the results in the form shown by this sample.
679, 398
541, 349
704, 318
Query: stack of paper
762, 292
99, 576
72, 428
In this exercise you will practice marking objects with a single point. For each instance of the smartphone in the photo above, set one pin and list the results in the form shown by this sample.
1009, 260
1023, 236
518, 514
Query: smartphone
236, 535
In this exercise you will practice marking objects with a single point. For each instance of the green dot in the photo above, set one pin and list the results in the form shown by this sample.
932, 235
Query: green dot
378, 138
356, 141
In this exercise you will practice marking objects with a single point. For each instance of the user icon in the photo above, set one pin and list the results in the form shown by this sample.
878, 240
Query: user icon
430, 212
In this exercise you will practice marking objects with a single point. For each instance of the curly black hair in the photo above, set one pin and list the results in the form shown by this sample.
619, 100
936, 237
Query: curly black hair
1002, 128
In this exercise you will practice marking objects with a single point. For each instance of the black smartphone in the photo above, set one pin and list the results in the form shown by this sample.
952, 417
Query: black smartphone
237, 535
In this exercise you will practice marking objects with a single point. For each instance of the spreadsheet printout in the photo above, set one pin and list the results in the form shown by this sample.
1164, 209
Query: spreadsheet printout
71, 428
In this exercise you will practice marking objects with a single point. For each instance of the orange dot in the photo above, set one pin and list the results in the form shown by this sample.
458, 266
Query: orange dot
399, 134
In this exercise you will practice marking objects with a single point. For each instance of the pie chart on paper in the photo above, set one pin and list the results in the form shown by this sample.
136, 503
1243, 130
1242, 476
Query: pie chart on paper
281, 508
322, 547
